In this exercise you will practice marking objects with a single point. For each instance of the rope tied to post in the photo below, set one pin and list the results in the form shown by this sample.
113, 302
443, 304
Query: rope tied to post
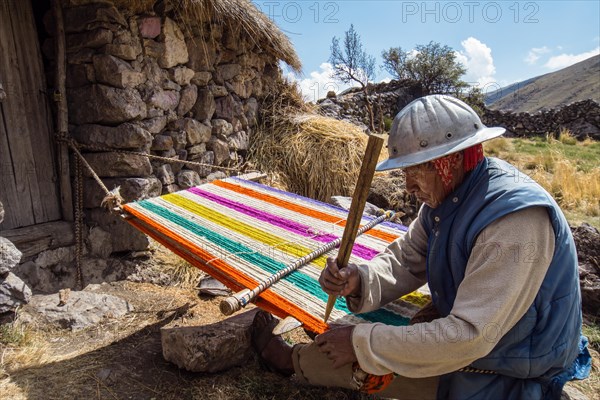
112, 198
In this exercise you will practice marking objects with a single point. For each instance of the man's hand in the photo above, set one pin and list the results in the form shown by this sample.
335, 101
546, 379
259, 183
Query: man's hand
340, 281
336, 343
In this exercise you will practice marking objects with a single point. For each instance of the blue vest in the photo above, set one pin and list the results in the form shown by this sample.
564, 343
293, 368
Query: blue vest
536, 356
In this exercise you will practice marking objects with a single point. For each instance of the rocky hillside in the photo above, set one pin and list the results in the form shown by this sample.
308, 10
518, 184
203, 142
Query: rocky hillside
387, 100
578, 82
581, 118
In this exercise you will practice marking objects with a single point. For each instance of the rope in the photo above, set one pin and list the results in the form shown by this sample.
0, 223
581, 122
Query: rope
153, 157
112, 198
78, 222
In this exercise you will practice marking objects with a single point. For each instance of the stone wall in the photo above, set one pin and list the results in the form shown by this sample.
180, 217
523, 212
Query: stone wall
581, 118
177, 89
184, 90
387, 100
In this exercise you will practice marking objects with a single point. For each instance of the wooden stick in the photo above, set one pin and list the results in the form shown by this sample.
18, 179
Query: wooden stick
359, 198
62, 113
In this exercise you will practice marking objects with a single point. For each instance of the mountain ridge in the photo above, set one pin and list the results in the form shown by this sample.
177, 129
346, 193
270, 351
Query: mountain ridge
580, 81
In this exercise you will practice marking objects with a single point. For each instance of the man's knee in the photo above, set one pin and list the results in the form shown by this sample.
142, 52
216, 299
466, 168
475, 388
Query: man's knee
314, 368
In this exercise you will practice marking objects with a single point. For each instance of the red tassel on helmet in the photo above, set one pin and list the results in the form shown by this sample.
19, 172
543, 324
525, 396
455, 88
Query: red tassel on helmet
472, 156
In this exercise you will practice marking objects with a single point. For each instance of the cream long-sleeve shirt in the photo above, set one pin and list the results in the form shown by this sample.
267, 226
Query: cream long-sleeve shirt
504, 272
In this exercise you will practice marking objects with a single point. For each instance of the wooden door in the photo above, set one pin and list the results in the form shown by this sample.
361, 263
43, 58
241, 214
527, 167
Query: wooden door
28, 178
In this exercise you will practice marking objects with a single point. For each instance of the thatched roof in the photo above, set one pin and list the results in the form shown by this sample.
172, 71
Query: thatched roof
235, 13
257, 25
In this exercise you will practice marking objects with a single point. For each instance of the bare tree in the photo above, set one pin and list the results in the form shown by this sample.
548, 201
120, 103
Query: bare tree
352, 64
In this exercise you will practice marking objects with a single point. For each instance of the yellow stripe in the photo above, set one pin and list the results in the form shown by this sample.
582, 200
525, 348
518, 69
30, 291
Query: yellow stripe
416, 298
240, 227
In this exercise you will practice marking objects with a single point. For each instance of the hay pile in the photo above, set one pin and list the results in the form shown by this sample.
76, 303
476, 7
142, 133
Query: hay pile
314, 156
309, 154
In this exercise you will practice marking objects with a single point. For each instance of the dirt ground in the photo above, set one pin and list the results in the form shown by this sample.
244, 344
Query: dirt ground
122, 358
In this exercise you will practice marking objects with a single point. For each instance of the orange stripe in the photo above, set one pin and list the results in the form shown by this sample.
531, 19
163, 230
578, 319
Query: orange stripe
300, 209
221, 270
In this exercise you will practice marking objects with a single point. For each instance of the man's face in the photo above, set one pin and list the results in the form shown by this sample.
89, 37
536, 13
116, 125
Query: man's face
424, 182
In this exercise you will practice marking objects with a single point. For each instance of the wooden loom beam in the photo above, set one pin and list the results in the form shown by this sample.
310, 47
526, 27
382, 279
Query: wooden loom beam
62, 113
359, 198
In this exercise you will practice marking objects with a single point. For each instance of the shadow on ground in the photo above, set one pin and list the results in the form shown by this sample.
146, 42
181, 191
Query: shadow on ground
134, 368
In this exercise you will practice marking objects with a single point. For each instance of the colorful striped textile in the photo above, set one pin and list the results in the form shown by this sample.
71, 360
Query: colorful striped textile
241, 232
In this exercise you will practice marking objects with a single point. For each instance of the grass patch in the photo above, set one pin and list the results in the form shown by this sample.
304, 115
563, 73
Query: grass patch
592, 332
584, 154
172, 270
499, 147
578, 217
387, 123
573, 189
184, 274
568, 169
566, 137
21, 346
13, 335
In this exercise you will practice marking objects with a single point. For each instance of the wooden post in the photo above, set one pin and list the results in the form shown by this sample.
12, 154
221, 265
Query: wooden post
62, 113
359, 198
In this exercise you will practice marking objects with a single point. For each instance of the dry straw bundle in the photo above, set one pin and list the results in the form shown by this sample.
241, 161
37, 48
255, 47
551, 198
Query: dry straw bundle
312, 155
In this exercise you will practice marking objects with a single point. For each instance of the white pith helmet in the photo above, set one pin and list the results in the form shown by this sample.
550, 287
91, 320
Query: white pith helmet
432, 127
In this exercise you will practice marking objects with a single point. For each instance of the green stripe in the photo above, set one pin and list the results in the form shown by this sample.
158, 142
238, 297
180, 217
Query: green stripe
297, 278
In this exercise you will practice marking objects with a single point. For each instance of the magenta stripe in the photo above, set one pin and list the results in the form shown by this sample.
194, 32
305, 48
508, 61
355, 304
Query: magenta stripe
257, 185
358, 250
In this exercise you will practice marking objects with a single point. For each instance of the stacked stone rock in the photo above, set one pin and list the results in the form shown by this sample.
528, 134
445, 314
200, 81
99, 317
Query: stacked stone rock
13, 291
186, 90
581, 118
387, 100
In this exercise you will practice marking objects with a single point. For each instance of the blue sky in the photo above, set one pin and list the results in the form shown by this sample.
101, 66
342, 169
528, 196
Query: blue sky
499, 42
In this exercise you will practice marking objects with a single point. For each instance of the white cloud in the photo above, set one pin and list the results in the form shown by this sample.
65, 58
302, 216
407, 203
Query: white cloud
534, 54
318, 83
565, 60
477, 59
